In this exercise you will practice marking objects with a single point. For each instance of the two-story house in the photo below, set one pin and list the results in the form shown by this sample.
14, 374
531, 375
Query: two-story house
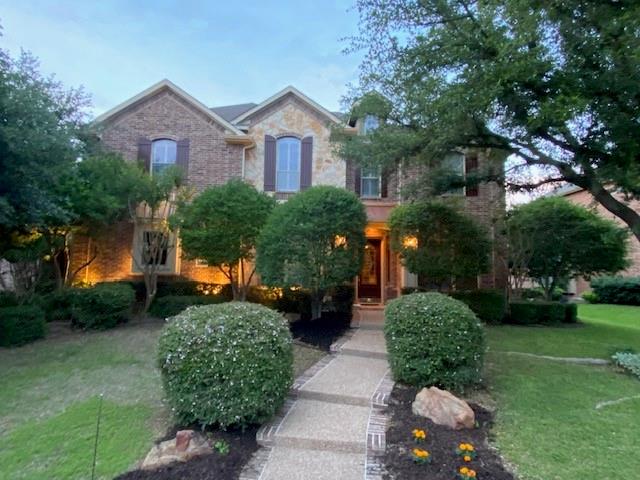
281, 146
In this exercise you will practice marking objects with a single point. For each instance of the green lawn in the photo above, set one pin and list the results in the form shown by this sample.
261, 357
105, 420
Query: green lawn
547, 424
49, 401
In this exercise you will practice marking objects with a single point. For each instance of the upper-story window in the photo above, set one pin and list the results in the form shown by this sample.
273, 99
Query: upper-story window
370, 182
454, 162
163, 154
370, 123
288, 164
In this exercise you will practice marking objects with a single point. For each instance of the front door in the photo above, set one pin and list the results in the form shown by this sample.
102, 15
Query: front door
369, 280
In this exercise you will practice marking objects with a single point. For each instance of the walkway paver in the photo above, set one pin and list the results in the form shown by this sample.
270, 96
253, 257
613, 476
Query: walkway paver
333, 425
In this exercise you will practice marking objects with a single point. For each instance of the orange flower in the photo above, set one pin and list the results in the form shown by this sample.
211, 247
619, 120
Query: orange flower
472, 473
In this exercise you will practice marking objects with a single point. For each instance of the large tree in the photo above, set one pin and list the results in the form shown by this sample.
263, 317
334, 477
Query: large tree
563, 241
221, 226
315, 240
552, 82
438, 242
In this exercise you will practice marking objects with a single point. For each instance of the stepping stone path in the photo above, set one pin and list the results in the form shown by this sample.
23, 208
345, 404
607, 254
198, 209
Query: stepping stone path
332, 426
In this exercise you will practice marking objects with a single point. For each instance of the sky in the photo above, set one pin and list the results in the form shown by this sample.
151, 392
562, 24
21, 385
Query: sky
219, 52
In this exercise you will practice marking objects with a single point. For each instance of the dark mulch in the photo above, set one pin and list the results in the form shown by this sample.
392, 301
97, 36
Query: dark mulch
322, 332
208, 467
441, 443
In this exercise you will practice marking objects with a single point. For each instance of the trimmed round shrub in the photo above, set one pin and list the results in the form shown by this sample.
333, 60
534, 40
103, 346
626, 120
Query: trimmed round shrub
102, 306
433, 339
21, 324
226, 364
59, 304
163, 307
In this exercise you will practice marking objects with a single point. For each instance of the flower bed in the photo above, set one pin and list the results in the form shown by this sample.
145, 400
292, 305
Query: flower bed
417, 448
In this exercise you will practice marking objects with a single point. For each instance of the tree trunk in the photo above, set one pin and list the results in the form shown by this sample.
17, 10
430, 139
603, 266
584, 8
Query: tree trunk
618, 208
151, 287
316, 304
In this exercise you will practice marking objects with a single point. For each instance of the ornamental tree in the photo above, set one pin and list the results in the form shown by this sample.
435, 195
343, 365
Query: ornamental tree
221, 226
438, 242
315, 241
565, 240
551, 82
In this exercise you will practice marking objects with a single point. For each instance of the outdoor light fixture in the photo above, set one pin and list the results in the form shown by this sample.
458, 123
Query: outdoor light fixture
410, 241
340, 241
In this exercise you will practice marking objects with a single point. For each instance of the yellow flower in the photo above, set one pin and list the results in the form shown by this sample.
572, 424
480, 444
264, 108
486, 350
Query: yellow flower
417, 433
469, 447
462, 446
467, 458
464, 470
418, 452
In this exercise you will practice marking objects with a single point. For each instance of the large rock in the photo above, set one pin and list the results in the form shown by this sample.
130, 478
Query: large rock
187, 445
443, 408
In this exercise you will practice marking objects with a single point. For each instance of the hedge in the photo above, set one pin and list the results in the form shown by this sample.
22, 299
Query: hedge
226, 364
163, 307
530, 312
617, 290
102, 306
433, 339
21, 324
489, 305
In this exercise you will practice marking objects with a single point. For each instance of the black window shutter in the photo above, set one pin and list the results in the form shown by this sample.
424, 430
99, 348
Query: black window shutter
471, 169
306, 162
269, 163
357, 179
144, 153
182, 157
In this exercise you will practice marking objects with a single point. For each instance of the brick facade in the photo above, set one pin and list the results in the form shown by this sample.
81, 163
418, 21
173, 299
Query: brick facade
213, 160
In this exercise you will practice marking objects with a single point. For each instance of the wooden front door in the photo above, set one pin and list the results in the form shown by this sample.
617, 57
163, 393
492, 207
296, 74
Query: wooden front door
369, 284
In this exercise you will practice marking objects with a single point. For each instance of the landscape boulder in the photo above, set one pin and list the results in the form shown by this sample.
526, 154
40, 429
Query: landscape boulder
187, 445
443, 408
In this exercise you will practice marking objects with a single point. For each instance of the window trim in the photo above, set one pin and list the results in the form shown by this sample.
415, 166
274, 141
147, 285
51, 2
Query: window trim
172, 265
462, 192
155, 142
364, 123
279, 188
364, 177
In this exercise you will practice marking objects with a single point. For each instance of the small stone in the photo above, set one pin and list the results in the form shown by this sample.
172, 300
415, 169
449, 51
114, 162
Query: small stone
183, 437
443, 408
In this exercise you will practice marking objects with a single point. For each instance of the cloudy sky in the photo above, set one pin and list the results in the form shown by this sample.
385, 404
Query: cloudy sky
217, 52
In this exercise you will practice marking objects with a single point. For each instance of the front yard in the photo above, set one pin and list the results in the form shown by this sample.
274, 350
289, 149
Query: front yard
551, 420
49, 401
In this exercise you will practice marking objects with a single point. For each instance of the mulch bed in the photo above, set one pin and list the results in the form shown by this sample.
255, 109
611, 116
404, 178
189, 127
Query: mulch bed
441, 442
323, 332
242, 444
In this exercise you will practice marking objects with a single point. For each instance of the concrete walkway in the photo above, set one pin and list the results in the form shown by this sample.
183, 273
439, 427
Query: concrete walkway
332, 426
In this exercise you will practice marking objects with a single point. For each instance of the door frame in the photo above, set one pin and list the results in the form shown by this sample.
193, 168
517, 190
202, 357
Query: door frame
364, 293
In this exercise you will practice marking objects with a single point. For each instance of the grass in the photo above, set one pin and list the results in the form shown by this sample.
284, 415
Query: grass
547, 424
49, 395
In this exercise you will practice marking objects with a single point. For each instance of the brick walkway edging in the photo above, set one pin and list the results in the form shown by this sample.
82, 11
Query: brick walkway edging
377, 428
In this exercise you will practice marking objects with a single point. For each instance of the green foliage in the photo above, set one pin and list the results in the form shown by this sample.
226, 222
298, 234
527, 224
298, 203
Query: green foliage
58, 304
489, 305
590, 297
629, 361
102, 306
170, 305
433, 339
582, 244
315, 240
21, 324
617, 290
522, 77
538, 293
222, 225
227, 364
529, 312
450, 245
8, 299
41, 123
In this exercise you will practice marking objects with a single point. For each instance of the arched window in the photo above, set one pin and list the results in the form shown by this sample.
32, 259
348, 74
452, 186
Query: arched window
370, 123
163, 154
288, 164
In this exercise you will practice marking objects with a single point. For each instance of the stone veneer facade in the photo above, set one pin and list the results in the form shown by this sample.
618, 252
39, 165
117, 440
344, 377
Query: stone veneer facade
213, 160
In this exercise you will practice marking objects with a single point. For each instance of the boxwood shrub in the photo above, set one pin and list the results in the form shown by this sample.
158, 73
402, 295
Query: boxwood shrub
617, 290
171, 305
21, 324
433, 339
489, 305
102, 306
529, 312
226, 364
58, 305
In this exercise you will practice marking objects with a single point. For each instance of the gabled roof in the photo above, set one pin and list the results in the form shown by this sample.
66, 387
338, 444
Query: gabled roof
229, 112
166, 84
295, 92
